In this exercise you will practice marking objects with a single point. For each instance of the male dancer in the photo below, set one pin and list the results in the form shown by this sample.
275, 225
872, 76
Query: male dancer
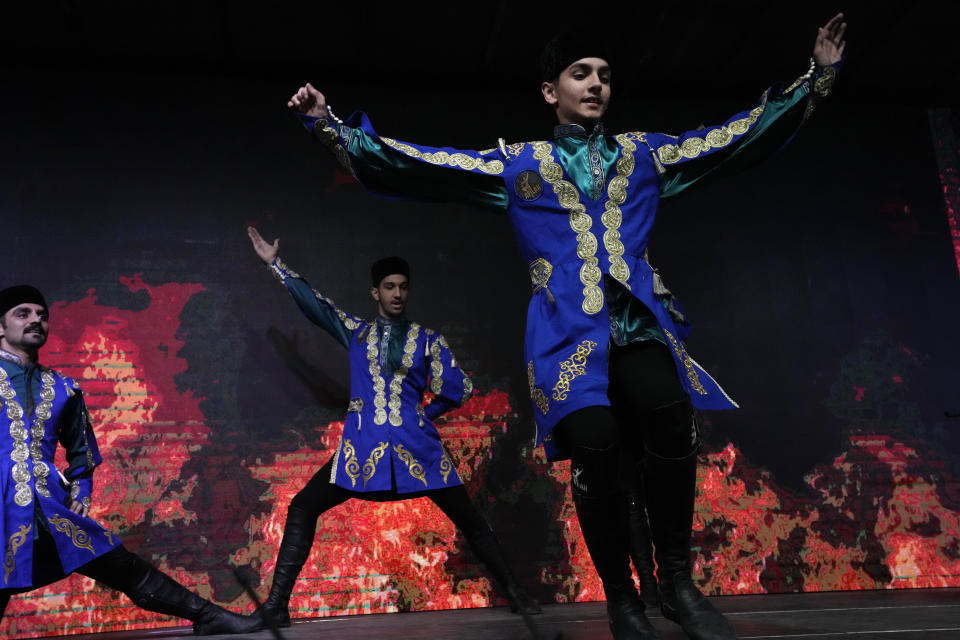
44, 523
606, 362
390, 448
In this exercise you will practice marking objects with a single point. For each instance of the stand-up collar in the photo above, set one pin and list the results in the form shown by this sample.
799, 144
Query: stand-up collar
572, 129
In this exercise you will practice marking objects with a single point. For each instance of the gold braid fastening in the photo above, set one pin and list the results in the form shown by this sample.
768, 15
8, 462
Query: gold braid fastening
540, 272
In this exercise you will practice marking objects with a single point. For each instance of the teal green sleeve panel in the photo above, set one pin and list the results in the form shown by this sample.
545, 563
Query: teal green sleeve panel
744, 140
318, 309
397, 169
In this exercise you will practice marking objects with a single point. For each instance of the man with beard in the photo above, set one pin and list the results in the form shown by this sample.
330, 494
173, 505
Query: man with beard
390, 448
46, 530
605, 355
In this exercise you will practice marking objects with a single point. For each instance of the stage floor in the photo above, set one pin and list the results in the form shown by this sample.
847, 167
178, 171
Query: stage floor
916, 614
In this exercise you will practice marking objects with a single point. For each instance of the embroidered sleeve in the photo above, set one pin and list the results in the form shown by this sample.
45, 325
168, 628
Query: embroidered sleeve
745, 139
393, 168
319, 309
451, 387
77, 438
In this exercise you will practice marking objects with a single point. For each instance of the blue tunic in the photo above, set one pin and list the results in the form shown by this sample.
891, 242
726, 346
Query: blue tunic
582, 208
389, 440
34, 494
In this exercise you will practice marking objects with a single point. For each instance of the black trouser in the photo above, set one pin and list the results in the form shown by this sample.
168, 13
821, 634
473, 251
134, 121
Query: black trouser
118, 568
320, 495
650, 413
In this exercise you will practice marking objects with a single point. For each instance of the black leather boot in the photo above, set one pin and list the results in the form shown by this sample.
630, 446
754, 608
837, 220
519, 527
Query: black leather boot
298, 533
671, 491
641, 547
626, 616
604, 530
159, 592
485, 546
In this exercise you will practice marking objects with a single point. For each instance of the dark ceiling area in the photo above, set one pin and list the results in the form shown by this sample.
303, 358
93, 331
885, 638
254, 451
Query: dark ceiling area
900, 52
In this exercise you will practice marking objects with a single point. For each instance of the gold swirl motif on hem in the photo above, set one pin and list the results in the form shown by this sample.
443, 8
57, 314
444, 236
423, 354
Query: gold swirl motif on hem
380, 402
330, 139
446, 465
461, 160
414, 467
580, 222
436, 368
687, 363
13, 544
714, 139
536, 393
370, 466
79, 537
574, 366
352, 466
23, 495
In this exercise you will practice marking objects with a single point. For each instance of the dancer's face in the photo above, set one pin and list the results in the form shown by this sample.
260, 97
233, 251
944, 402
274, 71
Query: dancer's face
581, 92
391, 295
24, 328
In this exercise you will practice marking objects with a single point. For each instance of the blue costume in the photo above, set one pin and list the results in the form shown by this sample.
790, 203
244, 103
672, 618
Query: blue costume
389, 441
390, 449
41, 408
582, 207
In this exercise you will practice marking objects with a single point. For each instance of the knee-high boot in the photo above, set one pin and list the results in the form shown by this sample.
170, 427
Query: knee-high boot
602, 522
158, 592
298, 533
670, 493
485, 545
641, 546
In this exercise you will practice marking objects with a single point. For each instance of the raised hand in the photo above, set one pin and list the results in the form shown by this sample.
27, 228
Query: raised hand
266, 251
309, 101
829, 45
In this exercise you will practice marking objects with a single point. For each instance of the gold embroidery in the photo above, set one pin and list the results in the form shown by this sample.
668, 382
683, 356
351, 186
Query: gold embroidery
824, 83
396, 384
687, 363
540, 272
715, 138
79, 537
436, 368
329, 137
612, 216
109, 537
446, 465
352, 466
370, 466
23, 495
347, 321
536, 393
461, 160
13, 544
280, 270
574, 366
415, 468
580, 222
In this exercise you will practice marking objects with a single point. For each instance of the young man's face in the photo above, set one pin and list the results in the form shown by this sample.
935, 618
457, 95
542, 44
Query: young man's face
581, 92
24, 328
391, 295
